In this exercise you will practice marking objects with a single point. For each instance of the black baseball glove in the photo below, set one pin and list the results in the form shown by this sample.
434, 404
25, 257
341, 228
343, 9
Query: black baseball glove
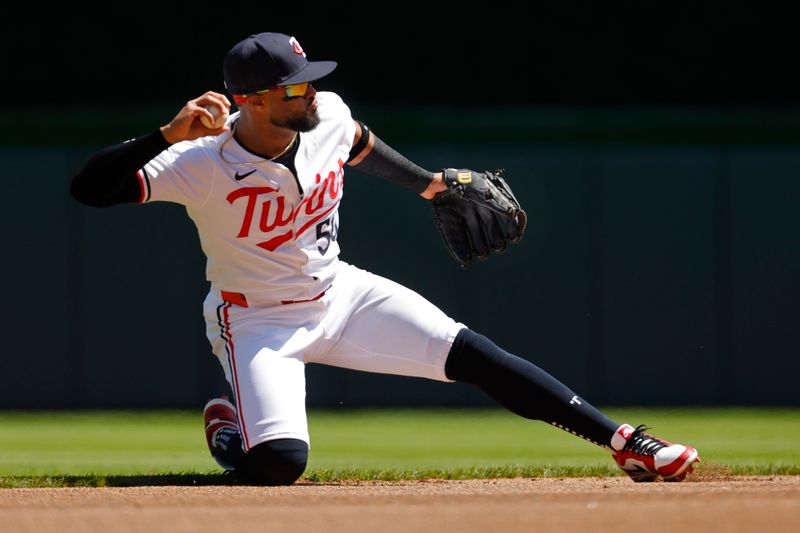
477, 214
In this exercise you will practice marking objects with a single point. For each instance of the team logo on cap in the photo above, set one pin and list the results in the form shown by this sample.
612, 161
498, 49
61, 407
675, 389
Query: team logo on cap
296, 46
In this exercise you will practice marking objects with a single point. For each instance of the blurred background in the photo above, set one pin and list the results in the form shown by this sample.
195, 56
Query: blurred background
654, 147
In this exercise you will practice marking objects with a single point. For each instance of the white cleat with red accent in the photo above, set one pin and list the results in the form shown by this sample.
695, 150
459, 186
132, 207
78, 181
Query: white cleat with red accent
219, 413
644, 457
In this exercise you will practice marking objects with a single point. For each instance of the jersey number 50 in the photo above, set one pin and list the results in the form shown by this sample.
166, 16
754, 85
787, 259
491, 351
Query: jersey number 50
327, 230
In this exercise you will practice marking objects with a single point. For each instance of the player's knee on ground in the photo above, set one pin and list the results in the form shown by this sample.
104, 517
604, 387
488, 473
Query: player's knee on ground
276, 462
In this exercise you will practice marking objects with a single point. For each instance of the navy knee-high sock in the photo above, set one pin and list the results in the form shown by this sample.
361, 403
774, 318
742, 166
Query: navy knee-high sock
524, 388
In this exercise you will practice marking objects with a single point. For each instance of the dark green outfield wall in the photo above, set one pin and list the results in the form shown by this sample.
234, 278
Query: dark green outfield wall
649, 275
655, 148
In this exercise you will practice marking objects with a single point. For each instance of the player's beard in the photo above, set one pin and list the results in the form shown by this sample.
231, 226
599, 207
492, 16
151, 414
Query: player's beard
307, 122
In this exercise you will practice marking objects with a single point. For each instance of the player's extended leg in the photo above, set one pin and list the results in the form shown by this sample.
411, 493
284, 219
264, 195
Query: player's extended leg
387, 328
529, 391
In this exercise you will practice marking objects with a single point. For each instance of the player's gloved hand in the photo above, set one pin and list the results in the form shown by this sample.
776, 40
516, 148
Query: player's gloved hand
477, 214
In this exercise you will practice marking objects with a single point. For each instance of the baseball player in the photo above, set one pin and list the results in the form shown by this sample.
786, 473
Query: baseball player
264, 190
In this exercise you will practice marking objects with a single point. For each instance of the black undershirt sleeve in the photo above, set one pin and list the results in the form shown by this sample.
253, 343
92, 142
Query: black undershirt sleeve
109, 176
384, 162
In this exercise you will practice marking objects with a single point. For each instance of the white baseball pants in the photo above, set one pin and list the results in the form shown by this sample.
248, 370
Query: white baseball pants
363, 322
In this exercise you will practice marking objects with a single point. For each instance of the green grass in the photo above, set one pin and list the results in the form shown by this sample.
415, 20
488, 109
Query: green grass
159, 448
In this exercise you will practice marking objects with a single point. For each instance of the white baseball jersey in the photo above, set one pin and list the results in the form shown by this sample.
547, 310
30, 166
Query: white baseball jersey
270, 238
267, 233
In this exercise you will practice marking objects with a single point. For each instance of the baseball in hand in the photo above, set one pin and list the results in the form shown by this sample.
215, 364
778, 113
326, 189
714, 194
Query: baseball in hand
219, 118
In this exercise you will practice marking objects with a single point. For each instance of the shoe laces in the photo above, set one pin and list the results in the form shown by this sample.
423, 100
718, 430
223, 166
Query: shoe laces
643, 444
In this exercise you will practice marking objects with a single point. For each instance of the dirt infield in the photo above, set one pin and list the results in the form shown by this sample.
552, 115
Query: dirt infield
587, 504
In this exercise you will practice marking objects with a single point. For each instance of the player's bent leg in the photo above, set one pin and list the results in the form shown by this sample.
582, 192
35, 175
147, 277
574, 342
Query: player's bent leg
275, 462
264, 436
529, 391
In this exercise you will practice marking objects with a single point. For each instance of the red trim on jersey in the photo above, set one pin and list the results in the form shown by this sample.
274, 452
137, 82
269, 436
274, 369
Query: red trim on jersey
274, 242
235, 298
316, 218
142, 187
317, 297
234, 377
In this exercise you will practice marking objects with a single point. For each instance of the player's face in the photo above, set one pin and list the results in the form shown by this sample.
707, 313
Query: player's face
298, 113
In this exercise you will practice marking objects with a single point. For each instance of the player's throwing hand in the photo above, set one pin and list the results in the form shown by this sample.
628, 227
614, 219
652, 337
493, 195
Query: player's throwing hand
187, 126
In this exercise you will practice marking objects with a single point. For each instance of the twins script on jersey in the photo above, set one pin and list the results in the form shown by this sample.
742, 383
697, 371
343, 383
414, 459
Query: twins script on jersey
266, 232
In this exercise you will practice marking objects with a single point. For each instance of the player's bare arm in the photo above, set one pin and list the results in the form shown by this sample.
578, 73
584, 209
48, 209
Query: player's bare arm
436, 186
372, 156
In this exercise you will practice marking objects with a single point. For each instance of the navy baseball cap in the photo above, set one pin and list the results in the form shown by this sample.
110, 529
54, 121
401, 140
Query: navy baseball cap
267, 60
